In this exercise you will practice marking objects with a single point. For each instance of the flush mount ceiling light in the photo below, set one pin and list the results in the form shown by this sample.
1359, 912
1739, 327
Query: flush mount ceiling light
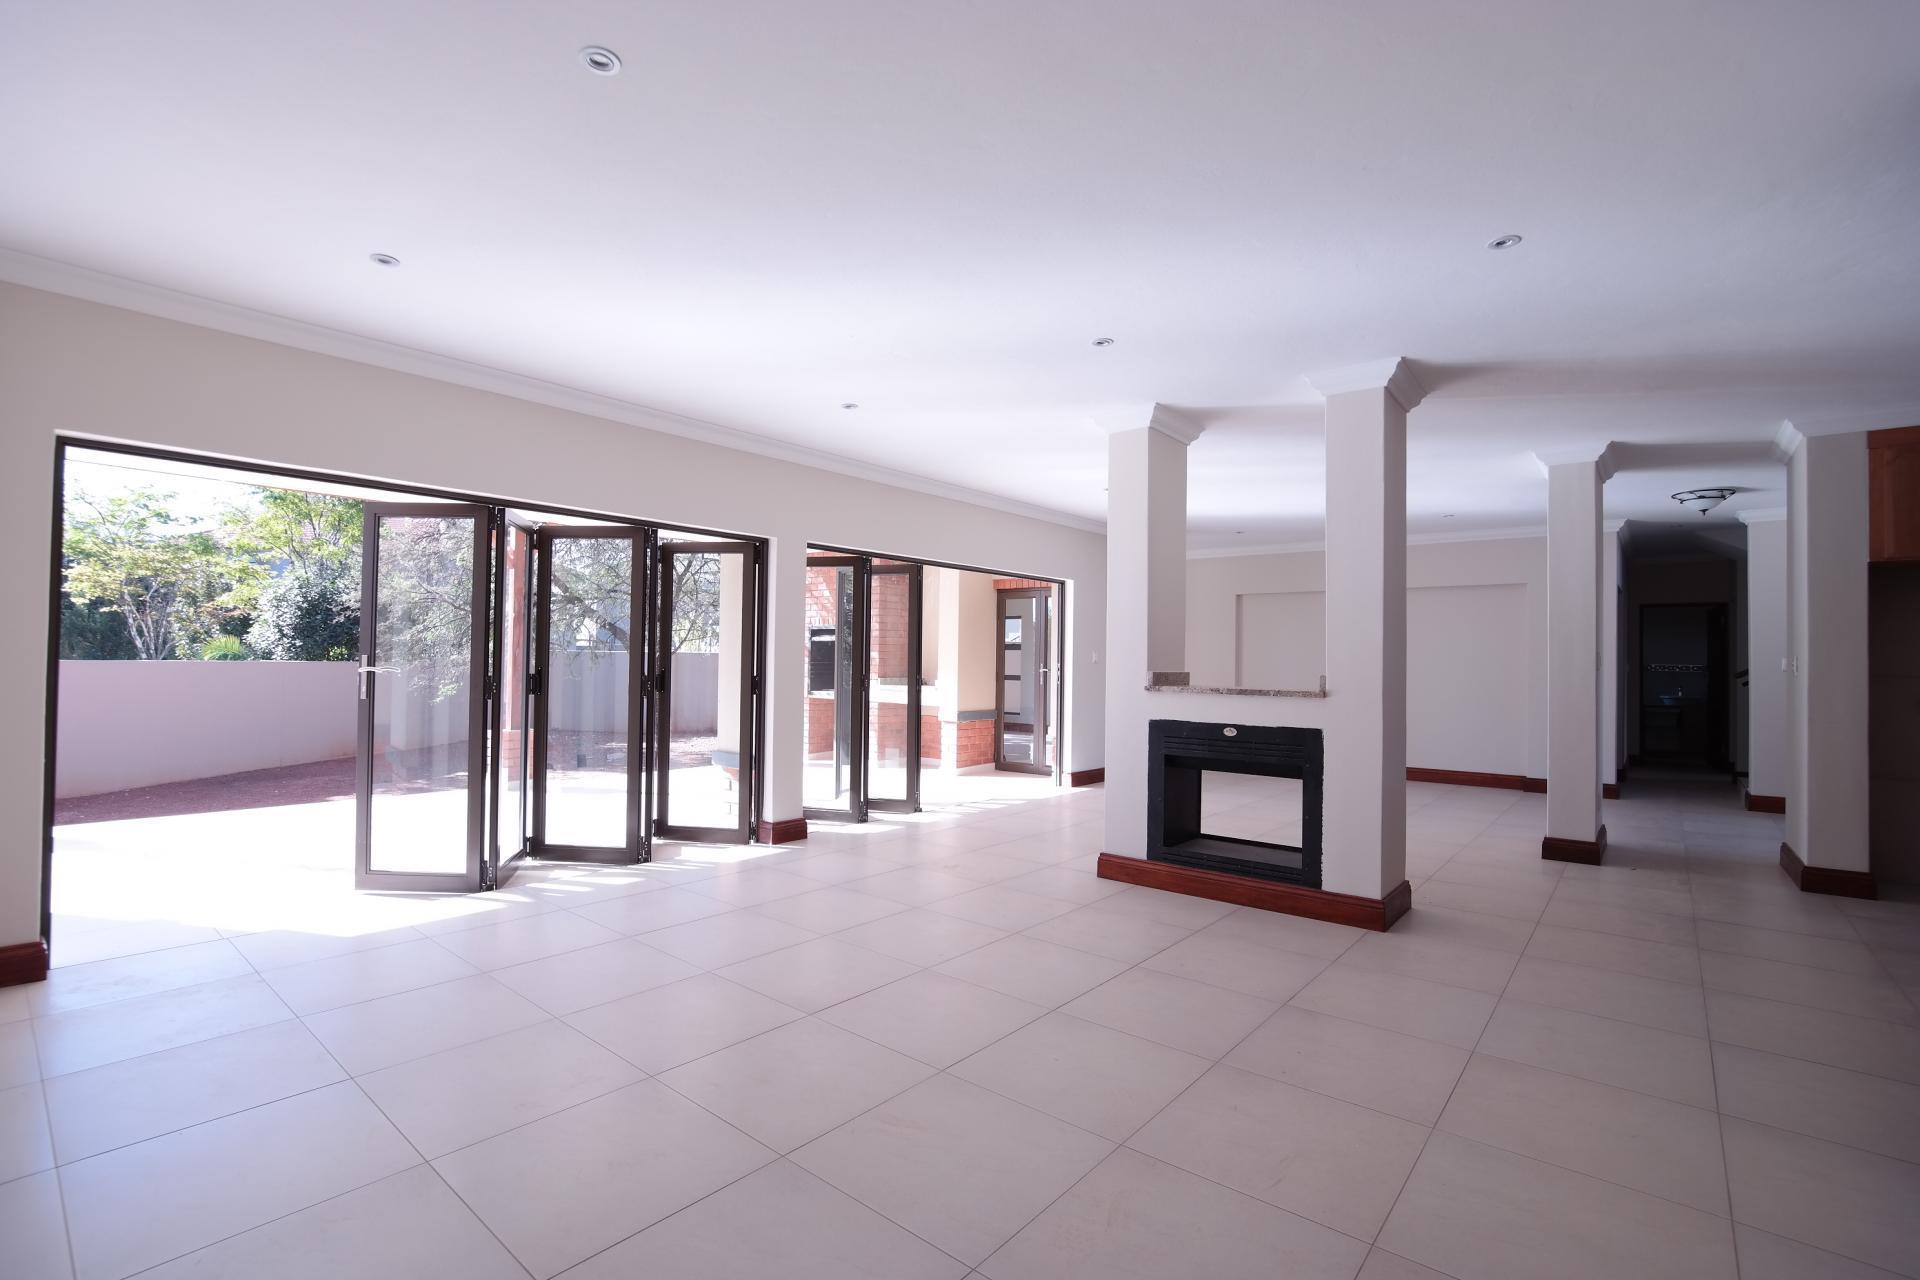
1103, 342
383, 260
1503, 242
1702, 500
600, 60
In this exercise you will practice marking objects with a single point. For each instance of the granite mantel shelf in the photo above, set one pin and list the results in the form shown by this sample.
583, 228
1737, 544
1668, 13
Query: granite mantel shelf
1183, 687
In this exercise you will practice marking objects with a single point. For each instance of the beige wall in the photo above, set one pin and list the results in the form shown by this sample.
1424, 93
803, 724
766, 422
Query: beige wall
86, 369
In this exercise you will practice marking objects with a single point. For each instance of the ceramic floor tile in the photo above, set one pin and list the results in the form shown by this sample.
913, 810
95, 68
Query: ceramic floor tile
921, 937
1041, 973
1650, 1144
931, 1017
1625, 922
559, 1190
777, 1223
33, 1229
19, 1059
831, 909
1430, 1010
816, 974
659, 1029
1435, 922
916, 886
1457, 964
1764, 1256
230, 1175
1863, 995
1284, 932
1514, 901
1127, 938
1136, 1216
1665, 960
1651, 1002
518, 941
25, 1143
406, 1227
1238, 965
998, 907
319, 985
1838, 1198
81, 985
1794, 948
1382, 1265
1065, 883
447, 1100
719, 941
1622, 1054
1385, 1070
1193, 1016
104, 1033
646, 912
1168, 908
959, 1166
753, 887
579, 980
1328, 1160
278, 948
1103, 1080
394, 1029
788, 1086
139, 1098
1474, 1210
1870, 1112
1819, 1035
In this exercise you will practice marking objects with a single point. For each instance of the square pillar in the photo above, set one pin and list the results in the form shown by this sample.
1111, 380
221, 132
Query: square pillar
1611, 711
1574, 581
1767, 683
1826, 849
1364, 801
784, 695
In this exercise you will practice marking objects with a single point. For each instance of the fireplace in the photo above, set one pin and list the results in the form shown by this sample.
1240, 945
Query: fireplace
1209, 805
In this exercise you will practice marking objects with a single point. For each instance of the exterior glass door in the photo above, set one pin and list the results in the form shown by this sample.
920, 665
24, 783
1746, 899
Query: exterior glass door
1022, 738
892, 764
422, 759
513, 711
590, 703
704, 661
836, 624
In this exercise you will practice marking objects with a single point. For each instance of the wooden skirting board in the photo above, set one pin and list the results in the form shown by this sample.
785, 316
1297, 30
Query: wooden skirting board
1828, 880
1766, 804
1586, 852
23, 962
1086, 777
782, 830
1466, 778
1266, 895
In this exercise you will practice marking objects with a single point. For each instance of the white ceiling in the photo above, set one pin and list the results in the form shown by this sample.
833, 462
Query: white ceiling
932, 209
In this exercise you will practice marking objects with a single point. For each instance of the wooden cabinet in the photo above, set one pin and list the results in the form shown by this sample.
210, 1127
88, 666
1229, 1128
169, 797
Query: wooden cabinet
1893, 499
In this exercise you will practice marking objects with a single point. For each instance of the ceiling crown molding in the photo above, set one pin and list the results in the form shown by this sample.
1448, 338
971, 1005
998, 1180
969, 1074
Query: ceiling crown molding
1165, 419
1394, 374
1599, 455
1787, 441
1839, 424
1762, 515
63, 278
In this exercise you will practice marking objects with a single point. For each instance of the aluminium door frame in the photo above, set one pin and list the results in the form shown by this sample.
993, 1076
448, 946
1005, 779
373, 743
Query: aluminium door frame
912, 570
856, 810
1043, 617
635, 848
508, 520
364, 876
747, 779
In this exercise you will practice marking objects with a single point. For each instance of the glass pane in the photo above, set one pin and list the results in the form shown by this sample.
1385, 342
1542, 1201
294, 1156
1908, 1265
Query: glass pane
1022, 694
706, 647
423, 647
891, 709
587, 674
828, 780
511, 769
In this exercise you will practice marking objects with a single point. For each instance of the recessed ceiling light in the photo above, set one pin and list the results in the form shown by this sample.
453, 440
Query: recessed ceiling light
1504, 242
600, 60
1447, 516
383, 260
850, 405
1103, 342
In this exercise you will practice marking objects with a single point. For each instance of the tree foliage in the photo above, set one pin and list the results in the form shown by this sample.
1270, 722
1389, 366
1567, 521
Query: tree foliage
309, 616
170, 582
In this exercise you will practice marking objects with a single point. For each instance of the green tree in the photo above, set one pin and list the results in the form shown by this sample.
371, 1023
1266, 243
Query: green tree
224, 648
307, 617
307, 535
130, 555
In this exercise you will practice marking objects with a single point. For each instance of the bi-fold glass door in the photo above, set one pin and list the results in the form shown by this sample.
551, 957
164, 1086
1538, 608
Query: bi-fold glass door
864, 686
704, 689
1023, 718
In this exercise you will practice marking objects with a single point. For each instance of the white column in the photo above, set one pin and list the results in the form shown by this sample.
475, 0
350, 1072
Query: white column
784, 693
1827, 702
1146, 593
1574, 580
1364, 802
1767, 684
1610, 711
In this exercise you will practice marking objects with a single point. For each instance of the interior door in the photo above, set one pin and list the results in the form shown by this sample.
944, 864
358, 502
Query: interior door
832, 782
512, 742
891, 768
590, 709
1022, 733
704, 653
422, 759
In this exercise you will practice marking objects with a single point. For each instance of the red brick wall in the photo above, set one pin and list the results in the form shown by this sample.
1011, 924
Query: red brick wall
1008, 584
889, 626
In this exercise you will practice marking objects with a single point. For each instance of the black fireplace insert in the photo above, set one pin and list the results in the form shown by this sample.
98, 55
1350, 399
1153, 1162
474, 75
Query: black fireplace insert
1182, 753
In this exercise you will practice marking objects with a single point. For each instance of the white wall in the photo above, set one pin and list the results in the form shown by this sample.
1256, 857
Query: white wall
1767, 687
79, 367
138, 724
1476, 643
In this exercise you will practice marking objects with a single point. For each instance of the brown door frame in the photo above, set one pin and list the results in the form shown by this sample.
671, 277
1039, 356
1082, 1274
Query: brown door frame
856, 810
748, 779
911, 570
1043, 710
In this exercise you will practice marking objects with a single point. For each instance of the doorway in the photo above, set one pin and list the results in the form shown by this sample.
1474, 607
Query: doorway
865, 639
1023, 712
1684, 706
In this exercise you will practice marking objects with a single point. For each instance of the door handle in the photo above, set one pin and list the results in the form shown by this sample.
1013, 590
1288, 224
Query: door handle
365, 683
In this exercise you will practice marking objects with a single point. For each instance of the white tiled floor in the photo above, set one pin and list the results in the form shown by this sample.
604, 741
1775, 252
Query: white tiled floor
940, 1047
